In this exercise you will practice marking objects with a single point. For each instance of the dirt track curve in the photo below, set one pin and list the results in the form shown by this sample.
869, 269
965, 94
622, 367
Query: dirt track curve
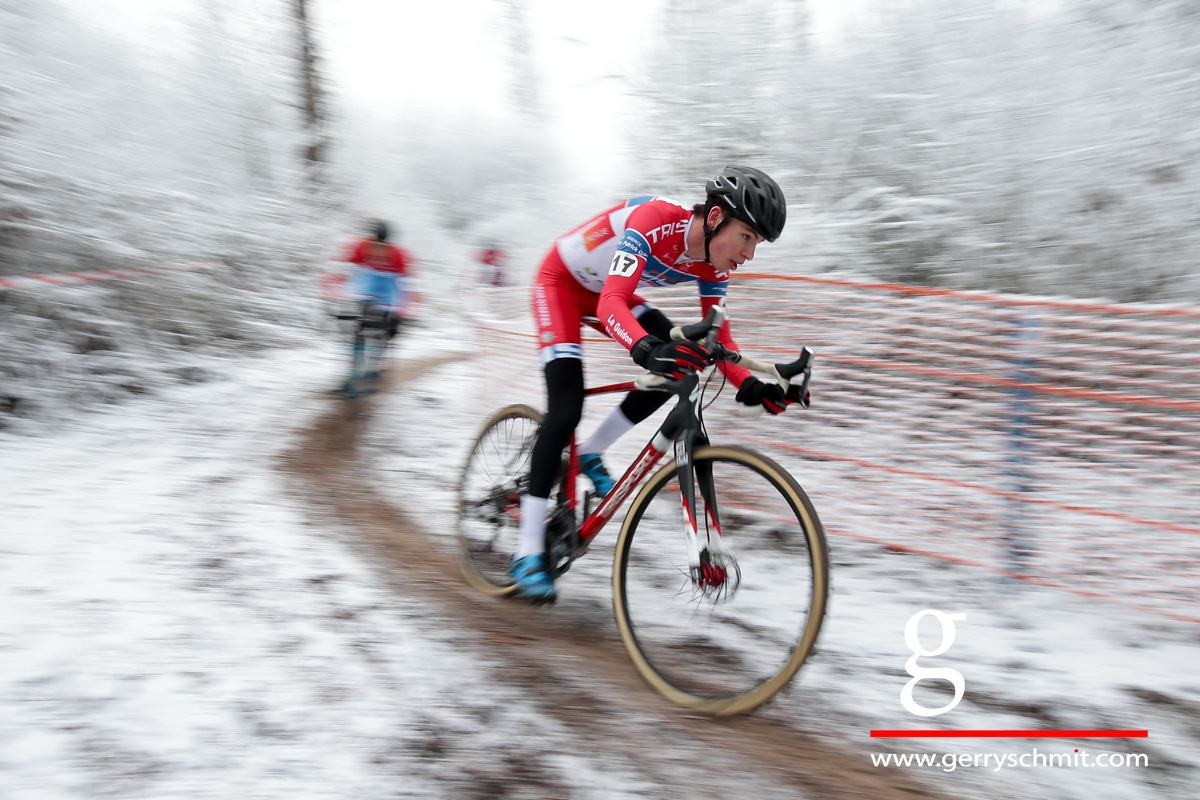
576, 670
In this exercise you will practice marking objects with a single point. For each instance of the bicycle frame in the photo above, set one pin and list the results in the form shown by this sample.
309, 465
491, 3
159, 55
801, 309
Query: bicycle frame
681, 428
372, 335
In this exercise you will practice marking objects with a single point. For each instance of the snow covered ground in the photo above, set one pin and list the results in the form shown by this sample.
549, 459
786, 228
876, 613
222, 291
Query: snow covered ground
174, 625
177, 622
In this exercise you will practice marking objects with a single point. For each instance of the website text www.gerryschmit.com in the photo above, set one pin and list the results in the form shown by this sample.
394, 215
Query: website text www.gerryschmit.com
948, 762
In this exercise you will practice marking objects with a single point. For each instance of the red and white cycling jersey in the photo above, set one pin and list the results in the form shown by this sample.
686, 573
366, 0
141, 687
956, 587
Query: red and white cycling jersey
638, 243
654, 229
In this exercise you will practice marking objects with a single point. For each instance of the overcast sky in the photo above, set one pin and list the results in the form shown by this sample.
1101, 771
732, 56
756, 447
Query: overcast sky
454, 57
419, 57
392, 58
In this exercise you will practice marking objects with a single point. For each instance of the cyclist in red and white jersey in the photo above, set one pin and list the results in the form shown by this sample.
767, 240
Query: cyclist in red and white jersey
380, 273
374, 251
595, 270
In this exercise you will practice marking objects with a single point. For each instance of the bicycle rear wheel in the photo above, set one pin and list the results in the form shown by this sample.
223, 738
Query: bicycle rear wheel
490, 487
368, 348
356, 383
728, 641
376, 332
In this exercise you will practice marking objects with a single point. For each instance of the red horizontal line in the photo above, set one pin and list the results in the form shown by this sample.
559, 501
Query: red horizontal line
1006, 383
13, 281
1010, 734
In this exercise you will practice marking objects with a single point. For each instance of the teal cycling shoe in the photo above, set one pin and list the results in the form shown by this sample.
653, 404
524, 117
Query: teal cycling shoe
593, 466
533, 581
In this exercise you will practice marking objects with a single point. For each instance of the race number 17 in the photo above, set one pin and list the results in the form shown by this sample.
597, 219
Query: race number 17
623, 264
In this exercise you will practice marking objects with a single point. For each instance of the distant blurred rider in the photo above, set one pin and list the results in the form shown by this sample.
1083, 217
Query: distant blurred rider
493, 260
381, 274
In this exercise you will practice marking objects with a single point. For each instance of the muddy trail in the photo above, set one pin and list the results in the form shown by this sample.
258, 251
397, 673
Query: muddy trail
575, 670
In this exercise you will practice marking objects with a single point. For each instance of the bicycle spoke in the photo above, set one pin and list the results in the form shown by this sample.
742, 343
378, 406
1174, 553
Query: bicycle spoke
490, 489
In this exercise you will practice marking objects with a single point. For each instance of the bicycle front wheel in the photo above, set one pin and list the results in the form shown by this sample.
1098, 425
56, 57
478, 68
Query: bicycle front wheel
726, 639
490, 488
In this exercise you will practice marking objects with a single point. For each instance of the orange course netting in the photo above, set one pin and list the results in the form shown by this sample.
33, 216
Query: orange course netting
1053, 440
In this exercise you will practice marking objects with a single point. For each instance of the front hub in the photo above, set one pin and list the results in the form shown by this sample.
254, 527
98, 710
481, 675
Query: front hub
718, 575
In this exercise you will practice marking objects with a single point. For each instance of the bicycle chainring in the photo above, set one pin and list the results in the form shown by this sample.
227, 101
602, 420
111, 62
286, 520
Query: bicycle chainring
562, 541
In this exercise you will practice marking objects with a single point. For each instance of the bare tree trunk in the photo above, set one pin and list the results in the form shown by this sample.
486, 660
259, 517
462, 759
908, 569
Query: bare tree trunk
800, 27
526, 92
14, 213
312, 97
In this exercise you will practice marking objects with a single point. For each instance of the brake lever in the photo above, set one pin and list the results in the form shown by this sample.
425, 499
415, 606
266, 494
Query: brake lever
700, 331
785, 373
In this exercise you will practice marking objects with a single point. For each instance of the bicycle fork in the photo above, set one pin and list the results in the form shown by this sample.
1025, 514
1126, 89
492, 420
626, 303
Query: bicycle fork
707, 561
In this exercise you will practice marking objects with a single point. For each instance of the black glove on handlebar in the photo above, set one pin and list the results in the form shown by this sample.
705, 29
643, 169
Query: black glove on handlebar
793, 396
672, 358
770, 396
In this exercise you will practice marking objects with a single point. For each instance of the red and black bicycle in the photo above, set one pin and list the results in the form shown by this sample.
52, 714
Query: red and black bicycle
719, 593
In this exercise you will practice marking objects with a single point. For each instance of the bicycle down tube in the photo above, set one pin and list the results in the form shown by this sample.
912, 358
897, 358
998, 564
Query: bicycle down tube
681, 428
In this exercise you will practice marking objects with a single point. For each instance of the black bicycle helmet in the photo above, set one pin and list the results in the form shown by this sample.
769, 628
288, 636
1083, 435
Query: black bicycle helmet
379, 230
750, 195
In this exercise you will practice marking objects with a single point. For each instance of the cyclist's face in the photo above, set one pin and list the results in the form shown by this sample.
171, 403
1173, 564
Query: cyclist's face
733, 245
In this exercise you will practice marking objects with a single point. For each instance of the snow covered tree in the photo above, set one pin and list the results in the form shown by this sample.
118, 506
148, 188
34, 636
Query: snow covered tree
958, 142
